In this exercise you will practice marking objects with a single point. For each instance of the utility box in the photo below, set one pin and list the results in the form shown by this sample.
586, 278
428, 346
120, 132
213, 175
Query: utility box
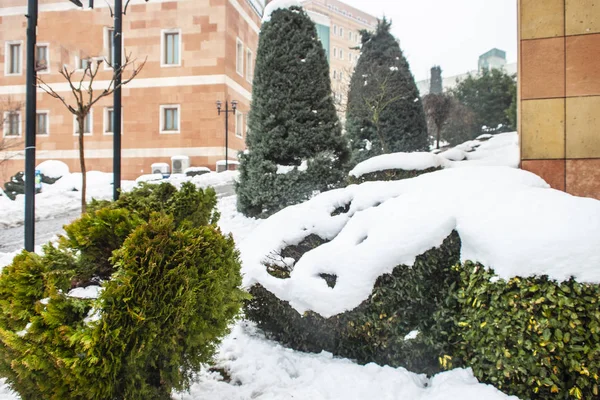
232, 165
179, 164
161, 168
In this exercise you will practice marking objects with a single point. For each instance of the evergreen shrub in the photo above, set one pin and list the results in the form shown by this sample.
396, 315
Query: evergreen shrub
170, 284
530, 337
401, 302
389, 175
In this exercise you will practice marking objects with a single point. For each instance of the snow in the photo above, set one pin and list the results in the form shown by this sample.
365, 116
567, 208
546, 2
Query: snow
278, 5
404, 161
412, 335
53, 169
149, 178
500, 150
508, 219
197, 169
262, 369
230, 162
286, 169
90, 292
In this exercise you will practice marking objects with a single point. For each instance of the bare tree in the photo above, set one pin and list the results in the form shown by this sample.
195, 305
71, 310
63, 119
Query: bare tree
85, 98
8, 107
437, 109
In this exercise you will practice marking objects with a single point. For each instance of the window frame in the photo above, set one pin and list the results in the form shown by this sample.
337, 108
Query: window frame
164, 107
108, 45
91, 117
106, 123
47, 113
341, 31
249, 65
8, 57
239, 114
239, 45
163, 47
47, 46
6, 124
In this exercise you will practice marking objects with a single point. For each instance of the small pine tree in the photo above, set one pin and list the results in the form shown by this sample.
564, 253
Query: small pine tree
385, 114
293, 120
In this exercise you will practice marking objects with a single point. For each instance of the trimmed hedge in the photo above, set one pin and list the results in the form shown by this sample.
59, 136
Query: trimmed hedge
171, 287
389, 175
401, 302
530, 337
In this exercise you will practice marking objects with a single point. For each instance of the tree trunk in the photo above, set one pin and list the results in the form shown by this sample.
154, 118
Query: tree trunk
438, 134
80, 123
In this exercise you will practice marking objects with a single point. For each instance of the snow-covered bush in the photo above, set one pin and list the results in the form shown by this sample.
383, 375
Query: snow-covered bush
52, 170
530, 337
77, 324
379, 329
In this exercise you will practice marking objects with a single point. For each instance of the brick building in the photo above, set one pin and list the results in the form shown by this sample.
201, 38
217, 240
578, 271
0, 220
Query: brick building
198, 52
345, 22
559, 89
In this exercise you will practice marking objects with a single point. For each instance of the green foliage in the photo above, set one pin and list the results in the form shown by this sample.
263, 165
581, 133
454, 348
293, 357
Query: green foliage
384, 113
401, 302
171, 287
292, 120
491, 97
389, 175
531, 337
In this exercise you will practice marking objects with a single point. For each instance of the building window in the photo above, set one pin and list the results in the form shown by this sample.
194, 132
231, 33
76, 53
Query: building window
239, 57
110, 46
169, 119
249, 66
341, 54
335, 51
335, 30
171, 46
41, 58
341, 31
350, 36
88, 124
239, 124
41, 123
334, 74
12, 123
341, 75
82, 63
15, 58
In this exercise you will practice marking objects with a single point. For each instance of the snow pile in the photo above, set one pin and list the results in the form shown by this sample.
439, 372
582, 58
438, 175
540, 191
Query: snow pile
278, 5
90, 292
403, 161
508, 220
216, 179
261, 369
197, 170
149, 178
492, 150
53, 169
286, 169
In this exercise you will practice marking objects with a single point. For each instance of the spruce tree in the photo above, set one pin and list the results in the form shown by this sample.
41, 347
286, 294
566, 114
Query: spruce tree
384, 114
292, 125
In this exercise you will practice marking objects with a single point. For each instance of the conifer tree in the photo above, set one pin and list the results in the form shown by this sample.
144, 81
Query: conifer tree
295, 145
385, 114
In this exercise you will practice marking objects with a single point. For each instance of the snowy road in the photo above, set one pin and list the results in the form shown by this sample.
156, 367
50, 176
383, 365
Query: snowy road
11, 239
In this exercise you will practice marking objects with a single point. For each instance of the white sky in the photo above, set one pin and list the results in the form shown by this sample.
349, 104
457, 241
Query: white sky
449, 33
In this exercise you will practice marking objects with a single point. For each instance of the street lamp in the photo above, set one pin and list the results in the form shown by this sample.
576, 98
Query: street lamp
234, 104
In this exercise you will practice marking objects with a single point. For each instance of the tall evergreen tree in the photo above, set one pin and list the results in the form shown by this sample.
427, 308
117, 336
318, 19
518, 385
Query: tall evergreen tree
295, 144
436, 83
492, 97
385, 114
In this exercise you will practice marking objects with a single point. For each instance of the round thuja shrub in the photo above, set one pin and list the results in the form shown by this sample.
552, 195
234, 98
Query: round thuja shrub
139, 323
401, 303
530, 337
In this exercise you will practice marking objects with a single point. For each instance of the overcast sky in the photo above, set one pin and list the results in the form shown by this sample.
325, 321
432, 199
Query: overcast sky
449, 33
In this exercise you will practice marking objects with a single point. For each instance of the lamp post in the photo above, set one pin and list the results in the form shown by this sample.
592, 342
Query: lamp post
234, 104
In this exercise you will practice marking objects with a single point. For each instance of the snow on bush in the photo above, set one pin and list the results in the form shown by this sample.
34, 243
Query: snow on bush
277, 5
508, 220
53, 169
499, 150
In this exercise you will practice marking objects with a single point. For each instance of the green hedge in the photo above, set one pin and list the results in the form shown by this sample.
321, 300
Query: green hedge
401, 302
530, 337
389, 175
171, 287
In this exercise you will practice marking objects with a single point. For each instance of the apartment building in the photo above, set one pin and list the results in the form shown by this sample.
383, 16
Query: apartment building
196, 52
345, 22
